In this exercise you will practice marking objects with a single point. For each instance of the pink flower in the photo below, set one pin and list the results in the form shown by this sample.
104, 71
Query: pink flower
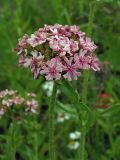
35, 71
54, 31
48, 27
31, 106
74, 29
7, 92
64, 44
42, 35
53, 43
52, 69
34, 62
18, 100
74, 46
31, 94
60, 44
36, 59
11, 98
24, 61
36, 40
71, 70
94, 63
65, 31
87, 44
80, 34
81, 60
22, 42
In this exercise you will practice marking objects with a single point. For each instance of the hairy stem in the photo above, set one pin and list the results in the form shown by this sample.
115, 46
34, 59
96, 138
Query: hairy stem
52, 153
84, 88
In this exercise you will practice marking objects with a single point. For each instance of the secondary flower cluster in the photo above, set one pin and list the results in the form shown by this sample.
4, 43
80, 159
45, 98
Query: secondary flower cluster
11, 98
56, 51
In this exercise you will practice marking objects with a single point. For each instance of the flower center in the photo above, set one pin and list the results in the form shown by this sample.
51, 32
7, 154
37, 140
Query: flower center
53, 70
71, 69
34, 61
81, 61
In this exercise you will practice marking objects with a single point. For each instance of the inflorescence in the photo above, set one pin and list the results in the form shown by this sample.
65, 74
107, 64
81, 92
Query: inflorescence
11, 99
57, 51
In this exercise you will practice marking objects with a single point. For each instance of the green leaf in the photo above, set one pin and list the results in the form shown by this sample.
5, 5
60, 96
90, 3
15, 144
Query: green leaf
66, 108
68, 90
84, 107
111, 110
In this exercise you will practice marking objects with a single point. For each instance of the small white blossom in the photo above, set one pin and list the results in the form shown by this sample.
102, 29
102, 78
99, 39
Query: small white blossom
75, 135
73, 145
2, 111
48, 87
7, 103
62, 117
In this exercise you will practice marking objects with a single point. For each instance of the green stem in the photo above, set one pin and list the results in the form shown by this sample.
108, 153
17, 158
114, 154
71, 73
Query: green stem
84, 88
81, 5
110, 139
83, 115
52, 154
13, 139
82, 143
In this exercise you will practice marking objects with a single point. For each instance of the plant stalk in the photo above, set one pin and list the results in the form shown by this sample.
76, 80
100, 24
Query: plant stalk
52, 154
13, 138
84, 88
83, 115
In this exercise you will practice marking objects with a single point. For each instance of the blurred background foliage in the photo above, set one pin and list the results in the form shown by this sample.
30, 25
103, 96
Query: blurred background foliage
18, 17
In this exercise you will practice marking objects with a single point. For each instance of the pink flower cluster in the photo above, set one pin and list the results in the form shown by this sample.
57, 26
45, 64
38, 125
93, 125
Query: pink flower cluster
56, 51
11, 98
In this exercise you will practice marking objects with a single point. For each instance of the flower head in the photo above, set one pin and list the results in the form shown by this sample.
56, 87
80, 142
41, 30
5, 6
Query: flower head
10, 99
57, 51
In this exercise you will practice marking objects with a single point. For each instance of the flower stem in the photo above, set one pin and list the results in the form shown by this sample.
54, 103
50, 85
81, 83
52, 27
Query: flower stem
82, 143
85, 85
13, 138
52, 154
84, 88
83, 115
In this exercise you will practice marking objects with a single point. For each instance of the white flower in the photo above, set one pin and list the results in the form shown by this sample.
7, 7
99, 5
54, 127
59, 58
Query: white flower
7, 103
62, 117
31, 94
2, 111
37, 55
75, 135
48, 87
73, 145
